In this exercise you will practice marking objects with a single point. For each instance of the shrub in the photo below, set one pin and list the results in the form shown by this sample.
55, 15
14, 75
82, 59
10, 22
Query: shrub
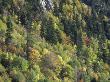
2, 69
31, 76
20, 63
17, 76
1, 79
2, 30
51, 61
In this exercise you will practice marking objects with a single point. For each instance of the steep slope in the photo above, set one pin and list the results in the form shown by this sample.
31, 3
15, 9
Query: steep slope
54, 40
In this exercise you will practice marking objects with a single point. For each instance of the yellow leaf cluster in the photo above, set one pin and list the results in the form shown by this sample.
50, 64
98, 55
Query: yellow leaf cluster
106, 66
34, 55
95, 75
46, 51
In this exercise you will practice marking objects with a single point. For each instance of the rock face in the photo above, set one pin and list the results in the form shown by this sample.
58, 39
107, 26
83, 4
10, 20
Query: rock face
46, 4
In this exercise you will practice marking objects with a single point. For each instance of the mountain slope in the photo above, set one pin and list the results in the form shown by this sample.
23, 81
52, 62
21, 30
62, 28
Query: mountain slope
54, 40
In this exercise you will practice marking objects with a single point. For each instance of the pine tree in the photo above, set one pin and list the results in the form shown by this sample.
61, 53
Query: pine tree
9, 31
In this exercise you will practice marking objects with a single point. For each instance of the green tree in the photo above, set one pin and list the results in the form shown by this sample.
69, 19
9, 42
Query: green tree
51, 28
8, 39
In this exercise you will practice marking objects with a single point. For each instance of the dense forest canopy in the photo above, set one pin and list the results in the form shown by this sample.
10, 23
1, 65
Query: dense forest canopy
54, 40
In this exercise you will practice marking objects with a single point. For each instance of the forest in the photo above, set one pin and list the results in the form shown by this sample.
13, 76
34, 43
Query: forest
54, 40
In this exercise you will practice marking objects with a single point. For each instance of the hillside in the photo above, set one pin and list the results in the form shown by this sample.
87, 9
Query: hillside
54, 40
